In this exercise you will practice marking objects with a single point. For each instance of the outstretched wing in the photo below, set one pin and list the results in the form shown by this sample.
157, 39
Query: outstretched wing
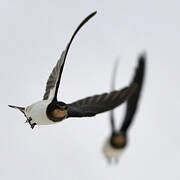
132, 102
93, 105
55, 77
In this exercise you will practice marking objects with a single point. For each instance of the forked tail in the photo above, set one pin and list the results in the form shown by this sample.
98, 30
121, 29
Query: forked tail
22, 109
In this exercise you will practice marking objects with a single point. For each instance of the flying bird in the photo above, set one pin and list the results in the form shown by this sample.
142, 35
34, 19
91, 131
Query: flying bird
116, 143
49, 110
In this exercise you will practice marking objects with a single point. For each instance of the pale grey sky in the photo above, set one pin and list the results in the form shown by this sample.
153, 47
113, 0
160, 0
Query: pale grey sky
32, 37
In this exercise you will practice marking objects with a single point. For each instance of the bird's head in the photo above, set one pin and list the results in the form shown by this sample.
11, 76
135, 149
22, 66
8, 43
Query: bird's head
114, 147
118, 140
57, 111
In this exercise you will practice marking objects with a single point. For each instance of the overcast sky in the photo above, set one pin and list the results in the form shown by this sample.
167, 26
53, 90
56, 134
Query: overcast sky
32, 36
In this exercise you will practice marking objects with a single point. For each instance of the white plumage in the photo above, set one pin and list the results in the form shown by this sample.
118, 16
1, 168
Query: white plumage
37, 112
111, 152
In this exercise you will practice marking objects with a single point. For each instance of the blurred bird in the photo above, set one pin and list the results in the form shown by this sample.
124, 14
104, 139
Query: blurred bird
50, 110
116, 143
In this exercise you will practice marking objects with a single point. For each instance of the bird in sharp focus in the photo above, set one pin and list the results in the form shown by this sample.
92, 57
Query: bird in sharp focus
116, 143
49, 110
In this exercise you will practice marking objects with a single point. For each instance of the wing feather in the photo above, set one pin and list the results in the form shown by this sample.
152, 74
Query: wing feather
96, 104
132, 103
53, 82
112, 119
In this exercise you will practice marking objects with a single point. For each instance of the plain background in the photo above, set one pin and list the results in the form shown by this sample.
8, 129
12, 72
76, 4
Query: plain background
32, 37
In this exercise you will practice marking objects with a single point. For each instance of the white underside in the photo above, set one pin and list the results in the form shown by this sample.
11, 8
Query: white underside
37, 112
110, 152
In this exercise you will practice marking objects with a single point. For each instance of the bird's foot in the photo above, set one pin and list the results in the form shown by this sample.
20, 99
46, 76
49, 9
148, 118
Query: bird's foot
31, 124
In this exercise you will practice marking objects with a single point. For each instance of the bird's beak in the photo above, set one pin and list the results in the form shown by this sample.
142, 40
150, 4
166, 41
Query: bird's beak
22, 109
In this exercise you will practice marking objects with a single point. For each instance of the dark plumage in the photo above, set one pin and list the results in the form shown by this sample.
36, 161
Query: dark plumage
50, 110
96, 104
119, 137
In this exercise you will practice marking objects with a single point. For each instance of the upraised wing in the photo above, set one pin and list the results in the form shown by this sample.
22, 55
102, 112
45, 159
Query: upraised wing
132, 102
53, 82
96, 104
113, 79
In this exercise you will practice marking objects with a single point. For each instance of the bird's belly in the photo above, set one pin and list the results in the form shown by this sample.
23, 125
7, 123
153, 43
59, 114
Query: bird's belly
111, 152
37, 112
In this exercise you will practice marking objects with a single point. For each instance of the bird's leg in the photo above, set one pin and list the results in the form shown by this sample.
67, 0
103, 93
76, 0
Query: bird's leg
29, 121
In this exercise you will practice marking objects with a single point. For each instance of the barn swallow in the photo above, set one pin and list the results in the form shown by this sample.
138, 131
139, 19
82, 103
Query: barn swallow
50, 110
116, 143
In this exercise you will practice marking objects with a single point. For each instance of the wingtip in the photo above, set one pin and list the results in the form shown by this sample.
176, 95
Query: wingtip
92, 14
142, 56
95, 12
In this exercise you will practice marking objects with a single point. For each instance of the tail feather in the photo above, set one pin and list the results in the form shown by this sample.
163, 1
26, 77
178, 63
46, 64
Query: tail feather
22, 109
